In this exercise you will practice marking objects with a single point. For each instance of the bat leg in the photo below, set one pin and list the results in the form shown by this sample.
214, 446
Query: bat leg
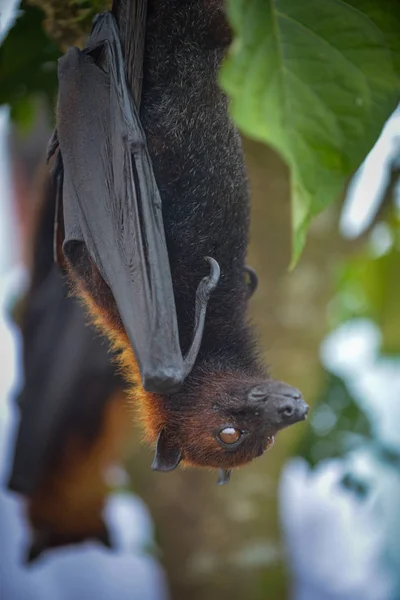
252, 283
206, 286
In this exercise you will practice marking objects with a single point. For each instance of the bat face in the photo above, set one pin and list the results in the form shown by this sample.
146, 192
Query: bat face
234, 421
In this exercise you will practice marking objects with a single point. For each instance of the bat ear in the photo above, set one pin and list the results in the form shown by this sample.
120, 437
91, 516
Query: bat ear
168, 454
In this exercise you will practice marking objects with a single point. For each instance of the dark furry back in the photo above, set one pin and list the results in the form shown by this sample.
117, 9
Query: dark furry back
199, 167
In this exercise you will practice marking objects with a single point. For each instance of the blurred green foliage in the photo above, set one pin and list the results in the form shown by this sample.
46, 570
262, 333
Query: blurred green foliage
29, 53
337, 424
369, 285
28, 66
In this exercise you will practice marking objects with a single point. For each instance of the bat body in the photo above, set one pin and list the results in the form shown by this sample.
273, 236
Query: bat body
72, 411
217, 407
112, 209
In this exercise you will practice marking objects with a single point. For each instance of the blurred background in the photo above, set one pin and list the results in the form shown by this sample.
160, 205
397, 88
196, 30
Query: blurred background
317, 517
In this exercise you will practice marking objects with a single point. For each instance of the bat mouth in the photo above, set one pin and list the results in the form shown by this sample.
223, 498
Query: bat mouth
270, 442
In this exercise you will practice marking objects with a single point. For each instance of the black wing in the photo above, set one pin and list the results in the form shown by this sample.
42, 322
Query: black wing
111, 204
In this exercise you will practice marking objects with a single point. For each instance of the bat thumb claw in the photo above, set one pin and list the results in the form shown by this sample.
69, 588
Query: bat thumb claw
213, 278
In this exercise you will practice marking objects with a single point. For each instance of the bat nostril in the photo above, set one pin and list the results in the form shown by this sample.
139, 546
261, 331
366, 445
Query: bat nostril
287, 410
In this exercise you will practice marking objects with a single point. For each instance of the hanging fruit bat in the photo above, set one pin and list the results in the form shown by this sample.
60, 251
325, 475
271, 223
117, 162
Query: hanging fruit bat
152, 228
73, 414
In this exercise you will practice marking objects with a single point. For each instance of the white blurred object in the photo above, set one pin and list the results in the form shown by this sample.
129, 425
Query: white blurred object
76, 572
335, 541
7, 228
7, 224
368, 184
8, 15
130, 525
340, 546
352, 352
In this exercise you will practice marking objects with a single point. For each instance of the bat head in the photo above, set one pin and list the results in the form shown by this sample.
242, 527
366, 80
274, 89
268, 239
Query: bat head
233, 421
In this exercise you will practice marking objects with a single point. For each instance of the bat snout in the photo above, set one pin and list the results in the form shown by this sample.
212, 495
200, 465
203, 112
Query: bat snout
282, 404
292, 410
282, 411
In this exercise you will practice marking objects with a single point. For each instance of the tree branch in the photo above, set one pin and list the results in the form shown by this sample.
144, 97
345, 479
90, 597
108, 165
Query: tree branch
68, 22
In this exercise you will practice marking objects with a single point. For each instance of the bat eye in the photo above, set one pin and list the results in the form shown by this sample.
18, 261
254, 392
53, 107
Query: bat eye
229, 436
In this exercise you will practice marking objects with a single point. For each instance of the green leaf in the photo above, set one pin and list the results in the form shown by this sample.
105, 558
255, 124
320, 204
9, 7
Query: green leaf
315, 79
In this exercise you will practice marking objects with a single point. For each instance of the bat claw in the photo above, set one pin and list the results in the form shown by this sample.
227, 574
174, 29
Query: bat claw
206, 286
224, 476
212, 280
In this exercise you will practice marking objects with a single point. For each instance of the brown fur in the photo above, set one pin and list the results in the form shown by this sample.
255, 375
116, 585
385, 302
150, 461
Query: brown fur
70, 500
148, 412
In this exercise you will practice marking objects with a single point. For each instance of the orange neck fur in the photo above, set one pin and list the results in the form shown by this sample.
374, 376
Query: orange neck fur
147, 411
